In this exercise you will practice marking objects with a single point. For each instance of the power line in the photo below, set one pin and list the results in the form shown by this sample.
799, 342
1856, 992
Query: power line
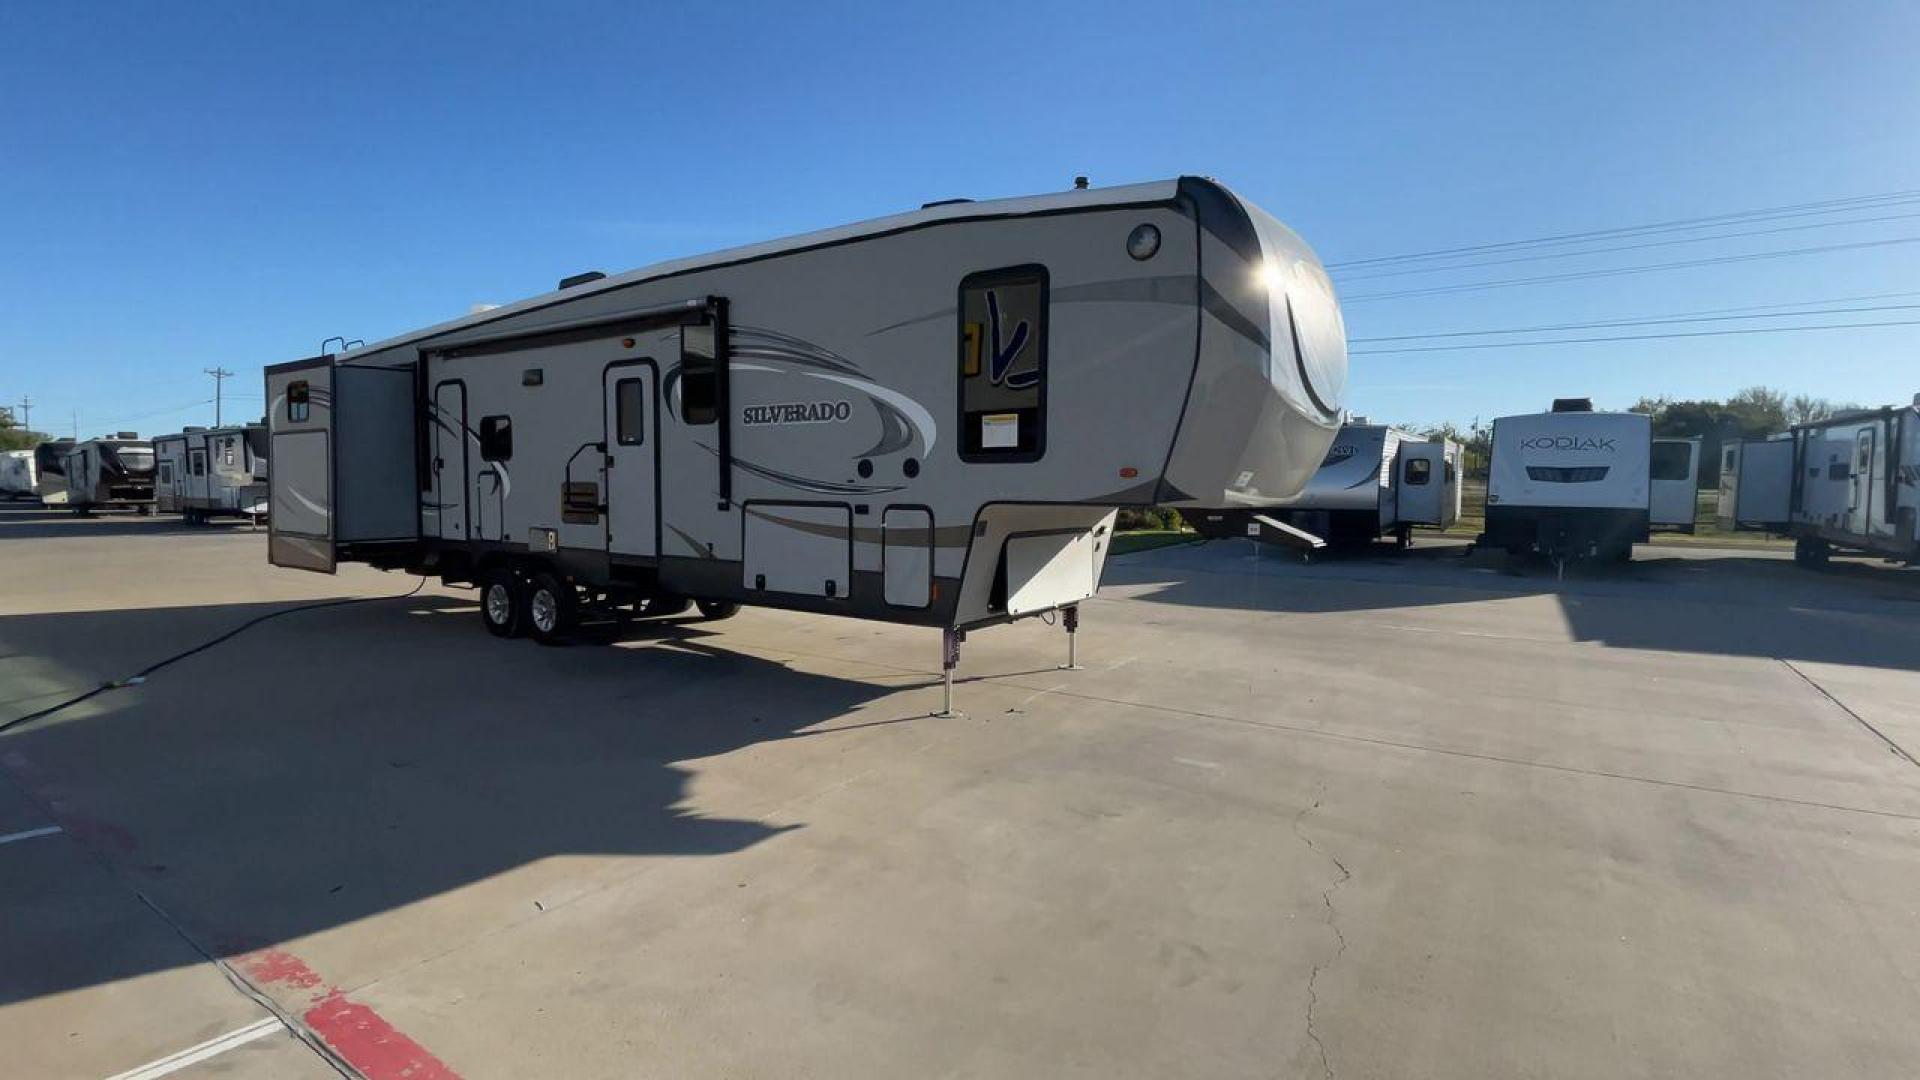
1582, 275
1627, 247
1637, 322
1826, 206
1634, 337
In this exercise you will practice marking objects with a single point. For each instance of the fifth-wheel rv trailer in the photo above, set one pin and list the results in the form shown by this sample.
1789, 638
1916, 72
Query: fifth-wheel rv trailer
1756, 485
17, 475
50, 471
1568, 484
929, 418
1856, 485
204, 473
1376, 481
112, 473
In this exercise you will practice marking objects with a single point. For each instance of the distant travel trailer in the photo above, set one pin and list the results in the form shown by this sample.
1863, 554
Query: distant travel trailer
104, 474
1756, 485
50, 471
930, 418
204, 473
1571, 483
1375, 481
1856, 486
18, 477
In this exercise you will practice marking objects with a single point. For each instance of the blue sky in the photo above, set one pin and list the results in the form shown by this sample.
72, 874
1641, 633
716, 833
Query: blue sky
186, 186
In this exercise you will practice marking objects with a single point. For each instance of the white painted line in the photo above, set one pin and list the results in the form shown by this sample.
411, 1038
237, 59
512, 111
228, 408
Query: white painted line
193, 1055
29, 834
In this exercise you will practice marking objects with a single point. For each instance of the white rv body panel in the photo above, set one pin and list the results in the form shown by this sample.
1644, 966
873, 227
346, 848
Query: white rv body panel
1756, 485
1673, 485
940, 386
1569, 484
1857, 482
208, 472
1427, 483
18, 477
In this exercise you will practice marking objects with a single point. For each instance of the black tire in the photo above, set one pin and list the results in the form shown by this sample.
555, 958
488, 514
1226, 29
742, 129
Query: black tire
715, 610
1403, 537
1810, 552
552, 608
503, 603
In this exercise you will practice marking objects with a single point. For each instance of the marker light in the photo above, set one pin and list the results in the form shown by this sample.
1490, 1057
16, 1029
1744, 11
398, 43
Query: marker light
1143, 242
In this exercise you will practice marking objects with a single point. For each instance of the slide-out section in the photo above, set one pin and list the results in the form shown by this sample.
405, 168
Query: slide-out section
341, 440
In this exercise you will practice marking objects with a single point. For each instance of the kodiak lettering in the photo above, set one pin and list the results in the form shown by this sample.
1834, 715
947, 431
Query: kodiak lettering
1566, 442
797, 412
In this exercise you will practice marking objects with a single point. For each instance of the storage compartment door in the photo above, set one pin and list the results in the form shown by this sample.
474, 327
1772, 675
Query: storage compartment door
1050, 570
907, 556
800, 548
300, 488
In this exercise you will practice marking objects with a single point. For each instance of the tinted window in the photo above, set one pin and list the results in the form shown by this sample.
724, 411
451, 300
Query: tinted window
297, 401
1418, 471
496, 438
630, 412
198, 462
699, 376
1003, 364
1672, 461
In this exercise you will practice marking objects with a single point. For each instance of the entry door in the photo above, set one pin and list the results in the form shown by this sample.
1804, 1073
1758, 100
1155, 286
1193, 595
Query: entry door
1860, 500
1422, 487
629, 479
450, 469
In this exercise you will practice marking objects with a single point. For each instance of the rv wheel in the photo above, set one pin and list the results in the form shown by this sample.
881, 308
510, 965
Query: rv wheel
502, 603
552, 607
1810, 552
662, 607
718, 609
1403, 537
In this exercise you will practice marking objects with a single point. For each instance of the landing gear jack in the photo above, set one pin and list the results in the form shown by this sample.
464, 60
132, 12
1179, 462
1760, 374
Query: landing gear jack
1070, 619
949, 659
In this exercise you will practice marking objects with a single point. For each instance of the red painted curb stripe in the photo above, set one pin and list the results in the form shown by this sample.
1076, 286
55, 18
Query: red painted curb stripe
361, 1037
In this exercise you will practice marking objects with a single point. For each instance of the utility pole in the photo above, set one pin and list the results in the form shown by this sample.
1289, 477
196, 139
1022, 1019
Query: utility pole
220, 375
26, 414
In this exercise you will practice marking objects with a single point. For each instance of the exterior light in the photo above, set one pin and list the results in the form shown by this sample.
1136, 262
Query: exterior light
1143, 242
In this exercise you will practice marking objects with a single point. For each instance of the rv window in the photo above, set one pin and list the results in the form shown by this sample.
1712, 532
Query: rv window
1726, 463
197, 462
166, 472
1419, 470
699, 376
630, 412
226, 450
1671, 460
1003, 364
1838, 470
297, 401
496, 438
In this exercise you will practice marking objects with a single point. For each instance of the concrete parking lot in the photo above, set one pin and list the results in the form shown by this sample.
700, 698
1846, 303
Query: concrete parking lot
1426, 816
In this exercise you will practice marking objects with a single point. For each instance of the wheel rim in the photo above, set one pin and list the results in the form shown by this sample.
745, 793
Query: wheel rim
546, 611
499, 605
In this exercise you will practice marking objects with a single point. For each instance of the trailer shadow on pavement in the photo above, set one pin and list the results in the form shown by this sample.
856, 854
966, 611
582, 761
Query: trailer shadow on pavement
1715, 601
338, 763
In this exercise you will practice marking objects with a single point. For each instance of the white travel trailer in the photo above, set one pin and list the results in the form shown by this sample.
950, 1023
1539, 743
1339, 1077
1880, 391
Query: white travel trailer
50, 471
18, 477
1856, 485
1570, 483
929, 418
1375, 481
203, 473
104, 474
1673, 484
1756, 485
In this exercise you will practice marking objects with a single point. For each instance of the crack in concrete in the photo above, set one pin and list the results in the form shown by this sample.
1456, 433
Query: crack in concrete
1333, 924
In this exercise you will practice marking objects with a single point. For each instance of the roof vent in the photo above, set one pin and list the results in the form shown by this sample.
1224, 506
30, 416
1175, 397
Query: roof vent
1357, 421
127, 435
1079, 183
192, 427
581, 279
1572, 404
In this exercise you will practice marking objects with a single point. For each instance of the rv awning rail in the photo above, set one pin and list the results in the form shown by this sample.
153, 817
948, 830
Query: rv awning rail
681, 308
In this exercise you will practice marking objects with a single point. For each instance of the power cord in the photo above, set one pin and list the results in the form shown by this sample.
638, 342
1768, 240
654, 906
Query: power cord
140, 676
